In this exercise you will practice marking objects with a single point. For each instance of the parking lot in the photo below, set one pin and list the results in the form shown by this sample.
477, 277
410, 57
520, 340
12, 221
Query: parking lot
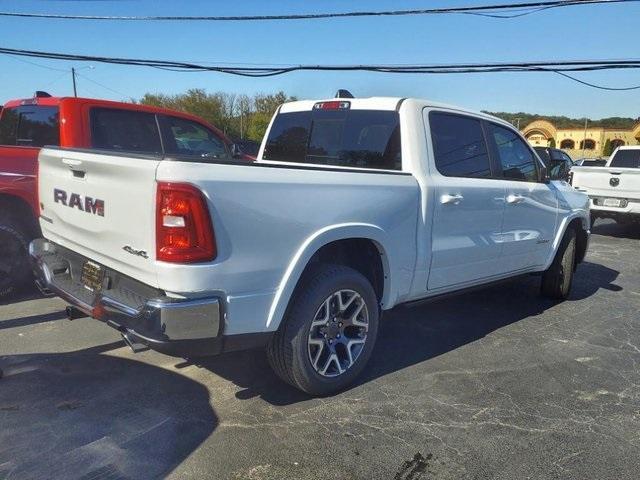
492, 384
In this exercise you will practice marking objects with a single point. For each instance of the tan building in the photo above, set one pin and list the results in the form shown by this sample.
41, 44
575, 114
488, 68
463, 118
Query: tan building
577, 142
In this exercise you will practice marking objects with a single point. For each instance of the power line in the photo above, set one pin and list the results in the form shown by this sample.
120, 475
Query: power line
39, 65
102, 85
600, 87
558, 67
527, 8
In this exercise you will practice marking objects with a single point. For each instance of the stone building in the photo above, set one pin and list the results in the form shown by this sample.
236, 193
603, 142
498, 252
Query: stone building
577, 142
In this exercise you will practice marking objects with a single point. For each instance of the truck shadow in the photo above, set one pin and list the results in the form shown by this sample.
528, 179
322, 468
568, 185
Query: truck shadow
612, 229
81, 415
412, 335
30, 292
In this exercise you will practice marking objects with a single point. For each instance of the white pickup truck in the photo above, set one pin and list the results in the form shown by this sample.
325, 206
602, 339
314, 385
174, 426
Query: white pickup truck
353, 207
614, 190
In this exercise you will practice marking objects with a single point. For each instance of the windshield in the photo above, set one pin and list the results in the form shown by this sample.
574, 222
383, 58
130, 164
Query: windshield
626, 159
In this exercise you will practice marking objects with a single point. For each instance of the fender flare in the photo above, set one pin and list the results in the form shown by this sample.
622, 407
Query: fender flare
583, 216
308, 249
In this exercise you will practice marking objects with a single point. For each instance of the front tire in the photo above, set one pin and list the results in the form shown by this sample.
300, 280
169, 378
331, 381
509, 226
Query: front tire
329, 331
557, 280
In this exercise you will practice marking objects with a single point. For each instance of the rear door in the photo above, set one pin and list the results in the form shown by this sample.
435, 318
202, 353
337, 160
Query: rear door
531, 207
469, 203
102, 205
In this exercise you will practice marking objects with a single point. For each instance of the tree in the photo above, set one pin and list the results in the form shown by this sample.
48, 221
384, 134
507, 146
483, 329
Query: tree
258, 126
552, 143
608, 148
239, 116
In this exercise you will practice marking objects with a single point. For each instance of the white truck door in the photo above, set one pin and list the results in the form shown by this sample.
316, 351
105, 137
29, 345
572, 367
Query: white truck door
531, 207
469, 205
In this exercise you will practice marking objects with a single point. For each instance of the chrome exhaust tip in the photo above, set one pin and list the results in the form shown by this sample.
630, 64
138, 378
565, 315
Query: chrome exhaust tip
132, 342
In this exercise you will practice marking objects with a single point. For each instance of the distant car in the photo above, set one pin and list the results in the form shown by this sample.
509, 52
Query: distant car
591, 162
614, 190
558, 163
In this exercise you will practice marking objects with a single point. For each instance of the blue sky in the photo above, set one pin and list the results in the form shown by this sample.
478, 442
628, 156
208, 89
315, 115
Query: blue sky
583, 32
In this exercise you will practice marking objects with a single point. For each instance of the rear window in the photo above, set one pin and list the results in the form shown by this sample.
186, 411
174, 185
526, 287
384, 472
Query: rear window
125, 130
626, 159
30, 126
347, 138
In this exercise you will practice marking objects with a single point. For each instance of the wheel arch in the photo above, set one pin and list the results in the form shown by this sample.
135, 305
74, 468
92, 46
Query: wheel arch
580, 223
323, 245
18, 210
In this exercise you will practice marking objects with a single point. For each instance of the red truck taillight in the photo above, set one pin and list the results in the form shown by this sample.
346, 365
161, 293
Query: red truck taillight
184, 233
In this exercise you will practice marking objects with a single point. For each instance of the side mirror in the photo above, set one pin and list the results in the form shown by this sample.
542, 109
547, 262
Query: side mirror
544, 174
236, 152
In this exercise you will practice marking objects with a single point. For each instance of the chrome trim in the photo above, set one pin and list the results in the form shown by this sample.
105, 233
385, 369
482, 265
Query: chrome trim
12, 174
110, 302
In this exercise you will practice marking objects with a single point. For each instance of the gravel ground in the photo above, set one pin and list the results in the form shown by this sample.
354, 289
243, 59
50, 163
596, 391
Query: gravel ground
497, 383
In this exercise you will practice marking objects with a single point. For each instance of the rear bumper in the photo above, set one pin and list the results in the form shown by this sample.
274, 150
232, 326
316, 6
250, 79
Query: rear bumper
181, 327
630, 207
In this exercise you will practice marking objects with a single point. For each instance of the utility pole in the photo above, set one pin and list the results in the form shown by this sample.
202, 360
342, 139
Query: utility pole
584, 140
518, 123
73, 75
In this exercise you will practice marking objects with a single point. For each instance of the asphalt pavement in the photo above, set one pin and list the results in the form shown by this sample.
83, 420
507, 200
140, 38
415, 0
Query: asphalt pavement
498, 383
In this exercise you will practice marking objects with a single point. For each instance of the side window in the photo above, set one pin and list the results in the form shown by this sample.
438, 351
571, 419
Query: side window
8, 123
185, 137
124, 130
517, 160
30, 126
459, 145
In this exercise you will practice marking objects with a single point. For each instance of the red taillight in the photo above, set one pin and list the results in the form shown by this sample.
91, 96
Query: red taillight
184, 233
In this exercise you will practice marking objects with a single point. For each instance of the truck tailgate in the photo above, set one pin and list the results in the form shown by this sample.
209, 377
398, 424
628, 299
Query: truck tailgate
101, 206
607, 181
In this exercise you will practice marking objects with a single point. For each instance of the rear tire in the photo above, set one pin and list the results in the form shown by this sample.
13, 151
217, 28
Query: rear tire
557, 280
328, 332
15, 267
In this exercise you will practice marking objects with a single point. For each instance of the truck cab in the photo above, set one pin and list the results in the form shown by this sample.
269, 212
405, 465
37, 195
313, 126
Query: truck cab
27, 125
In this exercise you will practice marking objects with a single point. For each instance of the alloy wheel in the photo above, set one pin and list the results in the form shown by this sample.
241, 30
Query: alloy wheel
338, 333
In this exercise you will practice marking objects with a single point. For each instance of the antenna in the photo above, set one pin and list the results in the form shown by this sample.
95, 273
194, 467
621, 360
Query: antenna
343, 94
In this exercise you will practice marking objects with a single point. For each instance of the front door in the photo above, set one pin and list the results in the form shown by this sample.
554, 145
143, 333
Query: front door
531, 207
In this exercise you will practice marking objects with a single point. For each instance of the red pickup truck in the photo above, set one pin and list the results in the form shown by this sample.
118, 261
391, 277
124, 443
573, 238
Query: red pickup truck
29, 124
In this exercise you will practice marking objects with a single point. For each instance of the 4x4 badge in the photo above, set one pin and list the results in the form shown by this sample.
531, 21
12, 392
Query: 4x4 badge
133, 251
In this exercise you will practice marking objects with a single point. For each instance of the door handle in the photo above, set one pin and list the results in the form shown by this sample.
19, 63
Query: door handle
451, 199
71, 163
513, 198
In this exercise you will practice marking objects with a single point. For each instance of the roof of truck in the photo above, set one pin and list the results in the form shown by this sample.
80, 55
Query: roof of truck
383, 103
56, 101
